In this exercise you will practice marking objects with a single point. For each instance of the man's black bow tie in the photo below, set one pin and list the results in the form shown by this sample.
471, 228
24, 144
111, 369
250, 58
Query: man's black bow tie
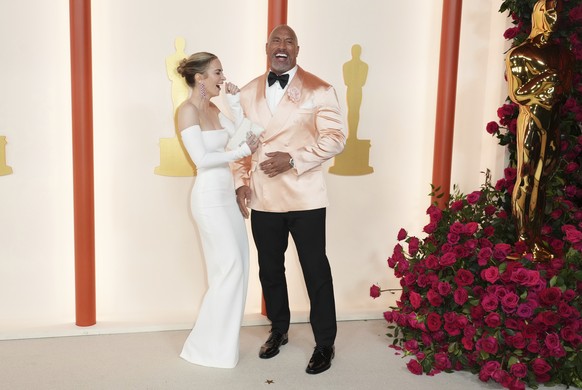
283, 79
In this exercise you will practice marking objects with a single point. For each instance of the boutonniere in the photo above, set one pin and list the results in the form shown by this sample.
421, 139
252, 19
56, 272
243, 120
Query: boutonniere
293, 94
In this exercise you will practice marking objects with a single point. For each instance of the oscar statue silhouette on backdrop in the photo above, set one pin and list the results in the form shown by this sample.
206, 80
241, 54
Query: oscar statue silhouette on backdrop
174, 161
354, 160
4, 169
539, 75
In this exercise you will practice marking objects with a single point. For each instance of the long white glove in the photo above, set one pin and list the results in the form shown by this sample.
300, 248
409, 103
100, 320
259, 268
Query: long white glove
192, 139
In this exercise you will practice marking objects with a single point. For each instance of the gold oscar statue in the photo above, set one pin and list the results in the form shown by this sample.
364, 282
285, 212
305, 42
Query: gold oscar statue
4, 169
354, 160
174, 160
539, 75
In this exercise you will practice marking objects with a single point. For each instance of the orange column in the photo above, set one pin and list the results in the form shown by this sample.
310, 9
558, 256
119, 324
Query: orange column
447, 93
82, 121
277, 15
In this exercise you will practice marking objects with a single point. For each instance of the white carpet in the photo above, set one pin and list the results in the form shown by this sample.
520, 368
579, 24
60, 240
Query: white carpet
150, 361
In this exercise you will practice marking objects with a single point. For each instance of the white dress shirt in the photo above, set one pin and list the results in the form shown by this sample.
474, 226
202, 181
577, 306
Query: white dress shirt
275, 93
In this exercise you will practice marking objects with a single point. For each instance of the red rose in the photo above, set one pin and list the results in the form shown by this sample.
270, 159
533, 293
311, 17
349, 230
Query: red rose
375, 291
490, 274
550, 296
500, 251
518, 370
493, 320
492, 127
489, 302
457, 205
414, 367
402, 234
510, 301
442, 361
444, 288
460, 296
517, 340
413, 245
433, 322
430, 228
415, 299
540, 366
448, 259
511, 33
488, 369
453, 238
434, 298
431, 262
470, 228
473, 197
573, 235
464, 278
552, 341
488, 344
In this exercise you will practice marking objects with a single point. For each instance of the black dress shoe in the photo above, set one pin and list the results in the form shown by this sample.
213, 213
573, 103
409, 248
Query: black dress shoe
320, 360
271, 346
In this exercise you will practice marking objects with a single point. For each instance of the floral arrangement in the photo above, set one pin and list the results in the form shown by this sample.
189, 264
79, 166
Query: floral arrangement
469, 300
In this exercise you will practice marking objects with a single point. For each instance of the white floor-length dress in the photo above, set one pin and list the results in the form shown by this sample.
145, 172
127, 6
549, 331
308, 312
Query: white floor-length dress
214, 339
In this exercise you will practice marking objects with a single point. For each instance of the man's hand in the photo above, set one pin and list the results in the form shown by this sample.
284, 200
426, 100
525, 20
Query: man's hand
276, 164
243, 197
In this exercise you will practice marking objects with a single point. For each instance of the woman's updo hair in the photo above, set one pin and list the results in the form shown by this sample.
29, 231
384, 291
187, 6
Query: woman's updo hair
196, 63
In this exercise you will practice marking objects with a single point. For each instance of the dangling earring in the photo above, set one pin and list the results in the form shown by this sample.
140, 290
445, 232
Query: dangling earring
202, 91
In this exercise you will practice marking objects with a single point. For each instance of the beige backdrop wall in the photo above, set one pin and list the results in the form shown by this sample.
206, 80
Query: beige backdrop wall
149, 265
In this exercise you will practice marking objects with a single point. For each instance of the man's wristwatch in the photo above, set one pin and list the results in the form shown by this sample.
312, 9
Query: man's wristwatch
291, 162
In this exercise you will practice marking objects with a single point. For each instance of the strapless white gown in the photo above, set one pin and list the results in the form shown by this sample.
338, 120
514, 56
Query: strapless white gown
214, 340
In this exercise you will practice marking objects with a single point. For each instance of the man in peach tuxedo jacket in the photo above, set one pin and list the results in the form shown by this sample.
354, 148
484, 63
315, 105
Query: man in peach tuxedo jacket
283, 184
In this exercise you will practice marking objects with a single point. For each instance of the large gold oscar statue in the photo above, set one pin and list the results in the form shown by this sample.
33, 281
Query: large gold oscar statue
354, 160
174, 160
4, 169
539, 74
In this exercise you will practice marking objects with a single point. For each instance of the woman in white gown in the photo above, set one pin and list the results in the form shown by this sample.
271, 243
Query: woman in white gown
205, 131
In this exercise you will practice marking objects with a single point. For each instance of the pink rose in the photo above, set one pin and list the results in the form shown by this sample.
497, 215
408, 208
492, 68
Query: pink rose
524, 310
414, 366
375, 291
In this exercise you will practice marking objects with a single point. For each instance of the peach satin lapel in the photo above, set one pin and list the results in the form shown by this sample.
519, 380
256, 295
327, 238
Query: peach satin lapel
285, 108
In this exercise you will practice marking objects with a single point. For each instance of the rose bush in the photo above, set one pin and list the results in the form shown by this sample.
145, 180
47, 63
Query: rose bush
470, 300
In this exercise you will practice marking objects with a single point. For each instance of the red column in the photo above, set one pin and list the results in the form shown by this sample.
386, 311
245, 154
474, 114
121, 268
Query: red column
447, 93
277, 15
82, 121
